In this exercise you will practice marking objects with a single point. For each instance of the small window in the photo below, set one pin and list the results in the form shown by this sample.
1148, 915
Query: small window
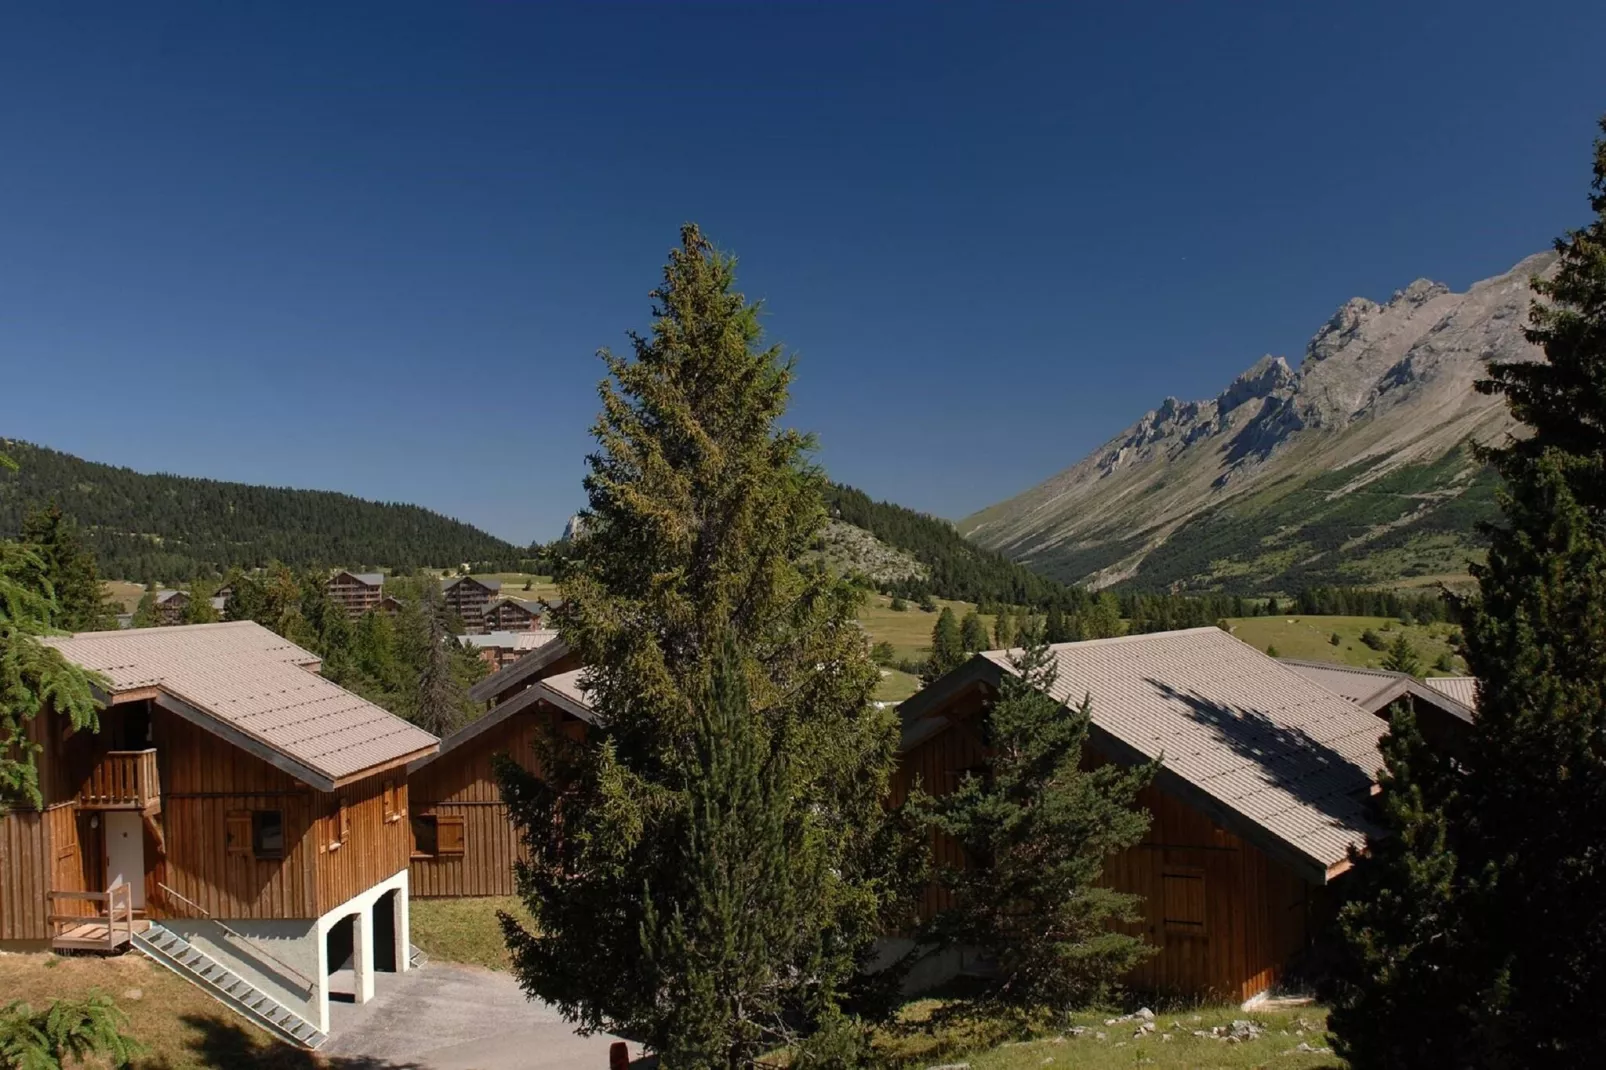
267, 833
435, 836
1184, 901
424, 838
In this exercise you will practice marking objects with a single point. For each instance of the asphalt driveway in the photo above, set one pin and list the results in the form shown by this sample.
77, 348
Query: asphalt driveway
450, 1017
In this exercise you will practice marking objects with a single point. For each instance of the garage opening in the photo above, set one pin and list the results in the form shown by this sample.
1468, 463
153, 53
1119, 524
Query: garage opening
339, 945
385, 928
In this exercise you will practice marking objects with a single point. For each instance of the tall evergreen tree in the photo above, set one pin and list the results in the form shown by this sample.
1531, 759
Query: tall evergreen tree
947, 644
720, 928
701, 510
198, 609
1003, 628
440, 702
34, 679
1523, 825
1035, 828
1057, 626
70, 569
972, 633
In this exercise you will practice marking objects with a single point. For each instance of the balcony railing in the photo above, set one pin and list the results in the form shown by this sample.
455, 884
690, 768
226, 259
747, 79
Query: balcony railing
122, 780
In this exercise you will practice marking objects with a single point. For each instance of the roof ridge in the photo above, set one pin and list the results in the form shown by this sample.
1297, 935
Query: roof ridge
168, 629
1339, 667
1113, 639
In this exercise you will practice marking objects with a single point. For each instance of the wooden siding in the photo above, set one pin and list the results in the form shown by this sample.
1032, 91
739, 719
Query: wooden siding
1253, 909
375, 847
462, 783
467, 599
355, 596
24, 876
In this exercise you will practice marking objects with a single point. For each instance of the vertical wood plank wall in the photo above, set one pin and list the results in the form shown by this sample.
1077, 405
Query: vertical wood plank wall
1254, 908
462, 783
376, 848
24, 875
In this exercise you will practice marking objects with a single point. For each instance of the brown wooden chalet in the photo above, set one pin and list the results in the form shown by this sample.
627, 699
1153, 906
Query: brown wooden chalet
236, 817
1442, 716
468, 598
357, 592
464, 841
1262, 789
514, 615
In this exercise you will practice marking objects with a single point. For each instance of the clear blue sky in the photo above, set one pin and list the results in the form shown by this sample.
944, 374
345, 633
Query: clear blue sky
373, 248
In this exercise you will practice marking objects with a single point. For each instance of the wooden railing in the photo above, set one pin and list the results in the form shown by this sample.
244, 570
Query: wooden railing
116, 913
122, 780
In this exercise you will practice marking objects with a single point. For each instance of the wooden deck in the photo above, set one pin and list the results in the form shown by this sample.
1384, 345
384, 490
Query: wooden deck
96, 934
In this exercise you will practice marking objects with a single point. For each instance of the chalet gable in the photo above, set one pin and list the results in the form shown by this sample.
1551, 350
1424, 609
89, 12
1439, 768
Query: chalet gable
255, 690
1265, 753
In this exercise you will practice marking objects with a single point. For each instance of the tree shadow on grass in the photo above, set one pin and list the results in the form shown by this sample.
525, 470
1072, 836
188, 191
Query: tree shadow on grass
219, 1042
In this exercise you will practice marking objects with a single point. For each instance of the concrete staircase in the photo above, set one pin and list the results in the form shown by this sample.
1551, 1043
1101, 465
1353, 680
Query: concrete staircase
226, 986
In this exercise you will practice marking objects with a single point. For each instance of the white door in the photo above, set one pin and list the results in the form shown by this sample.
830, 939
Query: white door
125, 852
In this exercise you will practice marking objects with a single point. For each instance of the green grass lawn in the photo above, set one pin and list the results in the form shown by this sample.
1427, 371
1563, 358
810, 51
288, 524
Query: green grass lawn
1091, 1044
464, 930
1310, 638
909, 630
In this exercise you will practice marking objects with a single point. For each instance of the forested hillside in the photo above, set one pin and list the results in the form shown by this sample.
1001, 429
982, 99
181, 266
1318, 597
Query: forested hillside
172, 528
957, 568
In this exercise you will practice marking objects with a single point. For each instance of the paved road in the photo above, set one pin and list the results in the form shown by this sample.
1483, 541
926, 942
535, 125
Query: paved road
449, 1017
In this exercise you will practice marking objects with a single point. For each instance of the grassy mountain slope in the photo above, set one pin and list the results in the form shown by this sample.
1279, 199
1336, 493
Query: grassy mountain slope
169, 528
1355, 469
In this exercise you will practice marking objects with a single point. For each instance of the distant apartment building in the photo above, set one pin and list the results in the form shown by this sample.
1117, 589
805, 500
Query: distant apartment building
514, 615
357, 592
467, 598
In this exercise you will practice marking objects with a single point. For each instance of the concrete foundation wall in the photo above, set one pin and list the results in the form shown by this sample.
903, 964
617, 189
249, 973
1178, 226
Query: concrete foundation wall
296, 943
931, 968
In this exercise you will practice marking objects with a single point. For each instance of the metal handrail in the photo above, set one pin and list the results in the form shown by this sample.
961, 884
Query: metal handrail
252, 944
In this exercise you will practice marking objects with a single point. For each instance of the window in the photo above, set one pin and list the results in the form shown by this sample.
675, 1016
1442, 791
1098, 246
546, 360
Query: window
1184, 900
437, 836
267, 833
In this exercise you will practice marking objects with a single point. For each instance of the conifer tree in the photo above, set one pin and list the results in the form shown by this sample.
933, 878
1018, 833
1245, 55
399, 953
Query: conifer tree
34, 679
1402, 657
719, 928
199, 610
1057, 627
145, 611
947, 645
1003, 628
702, 511
440, 702
972, 633
1035, 829
1520, 860
70, 569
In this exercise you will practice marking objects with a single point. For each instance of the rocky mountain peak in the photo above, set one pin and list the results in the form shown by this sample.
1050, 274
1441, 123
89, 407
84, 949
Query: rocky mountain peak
1261, 379
1342, 329
1419, 292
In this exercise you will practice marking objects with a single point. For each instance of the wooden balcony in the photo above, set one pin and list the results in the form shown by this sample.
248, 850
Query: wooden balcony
123, 780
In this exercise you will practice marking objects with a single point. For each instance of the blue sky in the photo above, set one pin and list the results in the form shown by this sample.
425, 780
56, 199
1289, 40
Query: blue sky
374, 248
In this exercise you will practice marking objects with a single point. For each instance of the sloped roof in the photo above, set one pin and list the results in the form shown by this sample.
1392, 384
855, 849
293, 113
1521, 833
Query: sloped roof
528, 640
1375, 690
371, 579
1370, 689
1248, 741
1463, 689
562, 691
489, 585
533, 606
255, 689
521, 670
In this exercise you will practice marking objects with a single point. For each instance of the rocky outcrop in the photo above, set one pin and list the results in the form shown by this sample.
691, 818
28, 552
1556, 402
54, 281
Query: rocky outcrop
1381, 387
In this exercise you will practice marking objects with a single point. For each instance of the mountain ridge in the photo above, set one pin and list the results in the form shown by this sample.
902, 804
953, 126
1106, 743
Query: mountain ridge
159, 526
1281, 478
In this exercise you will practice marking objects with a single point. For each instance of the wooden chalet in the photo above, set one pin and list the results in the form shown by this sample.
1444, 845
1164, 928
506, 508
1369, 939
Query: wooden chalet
236, 817
1443, 713
1263, 787
170, 606
501, 649
389, 605
464, 842
468, 598
357, 592
515, 615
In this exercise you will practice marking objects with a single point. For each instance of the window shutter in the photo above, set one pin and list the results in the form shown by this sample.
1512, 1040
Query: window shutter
1184, 901
239, 832
448, 836
343, 821
390, 799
